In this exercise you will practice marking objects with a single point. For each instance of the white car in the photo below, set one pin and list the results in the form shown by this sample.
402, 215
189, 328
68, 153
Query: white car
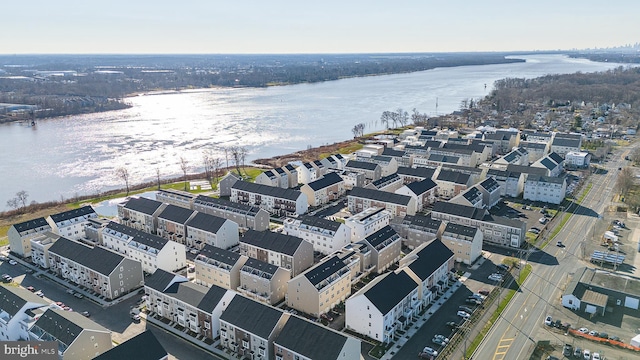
583, 330
548, 320
586, 354
429, 351
593, 333
495, 277
595, 356
463, 314
13, 262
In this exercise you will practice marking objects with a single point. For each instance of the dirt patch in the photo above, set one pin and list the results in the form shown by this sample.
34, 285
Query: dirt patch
306, 155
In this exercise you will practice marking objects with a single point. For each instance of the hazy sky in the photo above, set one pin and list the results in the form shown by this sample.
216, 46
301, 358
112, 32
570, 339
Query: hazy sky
326, 26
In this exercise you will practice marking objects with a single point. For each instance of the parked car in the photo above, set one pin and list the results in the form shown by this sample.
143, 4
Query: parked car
39, 293
595, 356
70, 291
484, 292
567, 350
135, 317
543, 220
583, 330
327, 317
429, 351
453, 324
444, 338
473, 301
548, 320
78, 295
438, 341
614, 338
503, 267
13, 262
586, 354
6, 278
3, 258
463, 314
465, 309
495, 277
577, 352
31, 288
593, 333
551, 357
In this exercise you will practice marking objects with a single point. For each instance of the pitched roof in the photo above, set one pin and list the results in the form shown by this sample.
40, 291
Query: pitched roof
460, 230
559, 141
324, 269
526, 169
276, 192
175, 214
379, 195
31, 224
251, 316
226, 205
187, 292
422, 222
421, 187
463, 169
490, 184
161, 279
453, 176
469, 212
430, 258
219, 254
259, 267
141, 237
556, 157
310, 340
386, 179
533, 145
101, 260
212, 298
270, 174
144, 346
354, 164
321, 223
472, 194
390, 291
422, 172
206, 222
279, 171
72, 214
325, 181
547, 179
143, 205
13, 298
444, 158
285, 244
380, 236
66, 326
497, 173
391, 152
318, 163
290, 168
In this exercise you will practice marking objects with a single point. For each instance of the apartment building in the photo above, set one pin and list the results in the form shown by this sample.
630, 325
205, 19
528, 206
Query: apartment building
20, 235
172, 223
535, 150
436, 160
246, 216
204, 229
470, 197
511, 182
389, 183
367, 222
276, 201
140, 213
430, 266
423, 192
417, 230
18, 308
577, 159
545, 189
565, 143
464, 241
263, 282
490, 192
324, 190
151, 251
144, 346
176, 197
70, 224
269, 178
399, 205
227, 181
409, 174
326, 236
286, 251
401, 157
451, 183
386, 246
371, 171
220, 267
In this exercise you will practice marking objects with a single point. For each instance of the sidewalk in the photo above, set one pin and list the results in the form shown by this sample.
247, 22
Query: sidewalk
420, 322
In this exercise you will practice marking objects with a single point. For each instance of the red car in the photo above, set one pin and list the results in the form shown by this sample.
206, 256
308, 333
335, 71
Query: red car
31, 288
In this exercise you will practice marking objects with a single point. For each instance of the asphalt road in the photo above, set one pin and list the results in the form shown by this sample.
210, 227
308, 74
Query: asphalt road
514, 334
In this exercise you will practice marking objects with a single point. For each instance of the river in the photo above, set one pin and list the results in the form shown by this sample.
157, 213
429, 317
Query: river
62, 157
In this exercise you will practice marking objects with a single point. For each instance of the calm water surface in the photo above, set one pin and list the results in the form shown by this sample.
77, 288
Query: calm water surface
79, 154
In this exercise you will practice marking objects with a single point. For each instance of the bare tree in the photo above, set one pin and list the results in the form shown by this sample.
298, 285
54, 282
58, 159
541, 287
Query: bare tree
123, 174
158, 177
402, 117
385, 118
226, 155
217, 164
184, 166
243, 157
208, 161
13, 203
235, 153
358, 130
635, 156
22, 196
625, 181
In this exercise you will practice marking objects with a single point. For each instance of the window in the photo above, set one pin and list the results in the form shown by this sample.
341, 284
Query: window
245, 344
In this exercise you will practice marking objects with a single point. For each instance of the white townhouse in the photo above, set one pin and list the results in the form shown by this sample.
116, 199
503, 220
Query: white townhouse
371, 171
429, 265
286, 251
552, 163
20, 235
303, 339
435, 160
307, 173
402, 157
545, 189
269, 178
577, 159
195, 307
367, 222
105, 272
209, 229
451, 183
18, 308
386, 247
220, 267
151, 251
246, 216
399, 205
140, 213
464, 241
321, 168
564, 143
388, 165
70, 224
324, 190
326, 236
383, 307
292, 175
283, 177
276, 201
490, 192
340, 160
470, 197
40, 248
511, 182
424, 192
536, 150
